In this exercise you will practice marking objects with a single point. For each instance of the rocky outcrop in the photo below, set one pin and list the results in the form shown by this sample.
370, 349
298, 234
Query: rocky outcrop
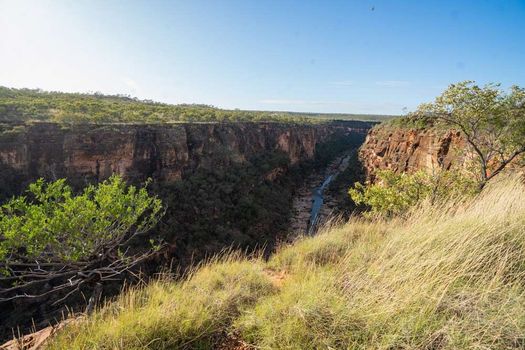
166, 152
407, 150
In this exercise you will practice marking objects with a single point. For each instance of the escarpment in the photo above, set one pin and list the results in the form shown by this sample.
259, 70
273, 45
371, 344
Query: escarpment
165, 152
408, 149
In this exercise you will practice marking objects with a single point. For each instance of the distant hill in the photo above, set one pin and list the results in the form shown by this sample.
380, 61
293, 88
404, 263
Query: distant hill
39, 105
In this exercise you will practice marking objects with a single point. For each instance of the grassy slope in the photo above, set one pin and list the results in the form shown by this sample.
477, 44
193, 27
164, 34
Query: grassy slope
37, 105
448, 278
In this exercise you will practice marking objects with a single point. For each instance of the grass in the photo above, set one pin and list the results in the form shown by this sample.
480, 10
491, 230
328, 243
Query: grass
166, 315
448, 277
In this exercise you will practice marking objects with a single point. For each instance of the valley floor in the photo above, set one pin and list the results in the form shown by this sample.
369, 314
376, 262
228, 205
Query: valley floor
303, 200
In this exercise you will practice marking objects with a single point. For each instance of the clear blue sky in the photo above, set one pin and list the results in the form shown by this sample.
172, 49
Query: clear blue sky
319, 56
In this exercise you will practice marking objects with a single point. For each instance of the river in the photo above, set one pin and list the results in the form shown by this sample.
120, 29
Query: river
311, 206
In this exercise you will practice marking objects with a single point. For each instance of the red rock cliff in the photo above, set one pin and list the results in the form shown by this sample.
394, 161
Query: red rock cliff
407, 150
166, 152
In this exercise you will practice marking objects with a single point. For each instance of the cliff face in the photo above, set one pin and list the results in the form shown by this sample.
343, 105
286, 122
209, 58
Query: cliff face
408, 150
165, 152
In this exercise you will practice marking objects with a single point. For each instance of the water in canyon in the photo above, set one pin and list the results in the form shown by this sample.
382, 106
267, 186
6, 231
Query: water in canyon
312, 207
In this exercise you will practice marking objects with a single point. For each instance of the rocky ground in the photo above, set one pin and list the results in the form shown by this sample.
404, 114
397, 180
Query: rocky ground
302, 204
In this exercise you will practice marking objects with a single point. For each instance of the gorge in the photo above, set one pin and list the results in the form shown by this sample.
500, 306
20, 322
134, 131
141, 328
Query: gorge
165, 152
217, 173
223, 184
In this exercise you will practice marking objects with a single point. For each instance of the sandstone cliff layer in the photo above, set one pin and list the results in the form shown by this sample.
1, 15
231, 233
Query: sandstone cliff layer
407, 150
166, 152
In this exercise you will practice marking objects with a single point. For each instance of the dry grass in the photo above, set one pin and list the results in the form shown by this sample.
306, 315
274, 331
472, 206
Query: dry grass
450, 277
166, 315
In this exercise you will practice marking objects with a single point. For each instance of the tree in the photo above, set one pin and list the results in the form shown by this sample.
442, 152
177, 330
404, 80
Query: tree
491, 121
53, 242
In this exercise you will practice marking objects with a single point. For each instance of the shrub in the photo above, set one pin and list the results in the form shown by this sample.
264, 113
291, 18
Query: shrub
394, 194
71, 240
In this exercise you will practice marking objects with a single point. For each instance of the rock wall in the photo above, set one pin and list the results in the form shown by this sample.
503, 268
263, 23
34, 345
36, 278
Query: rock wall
407, 150
166, 152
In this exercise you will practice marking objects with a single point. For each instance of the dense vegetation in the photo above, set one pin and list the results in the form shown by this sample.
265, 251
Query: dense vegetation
38, 105
244, 205
447, 277
57, 246
235, 205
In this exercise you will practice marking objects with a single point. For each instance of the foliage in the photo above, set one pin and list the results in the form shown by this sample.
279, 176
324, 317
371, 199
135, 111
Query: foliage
336, 145
492, 122
38, 105
446, 277
56, 244
394, 194
220, 206
52, 223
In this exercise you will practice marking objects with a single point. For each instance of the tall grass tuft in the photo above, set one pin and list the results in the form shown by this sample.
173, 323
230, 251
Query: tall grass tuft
167, 315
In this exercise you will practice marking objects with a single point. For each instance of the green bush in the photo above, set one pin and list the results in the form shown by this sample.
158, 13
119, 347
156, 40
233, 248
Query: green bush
51, 222
394, 194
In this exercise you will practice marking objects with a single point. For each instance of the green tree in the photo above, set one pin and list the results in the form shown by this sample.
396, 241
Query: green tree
491, 121
394, 194
54, 235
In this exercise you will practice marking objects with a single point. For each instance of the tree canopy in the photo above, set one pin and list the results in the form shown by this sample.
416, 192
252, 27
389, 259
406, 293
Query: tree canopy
38, 105
53, 235
491, 121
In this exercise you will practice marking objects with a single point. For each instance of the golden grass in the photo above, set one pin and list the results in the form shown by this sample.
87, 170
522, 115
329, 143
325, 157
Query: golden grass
168, 315
448, 277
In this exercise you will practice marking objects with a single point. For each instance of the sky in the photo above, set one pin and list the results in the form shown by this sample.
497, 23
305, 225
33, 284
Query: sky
377, 57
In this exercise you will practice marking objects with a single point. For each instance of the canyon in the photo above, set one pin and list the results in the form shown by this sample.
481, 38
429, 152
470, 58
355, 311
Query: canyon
222, 184
171, 152
240, 185
164, 152
188, 156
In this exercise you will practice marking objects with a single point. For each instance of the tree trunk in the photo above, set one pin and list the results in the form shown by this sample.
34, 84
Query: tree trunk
95, 298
